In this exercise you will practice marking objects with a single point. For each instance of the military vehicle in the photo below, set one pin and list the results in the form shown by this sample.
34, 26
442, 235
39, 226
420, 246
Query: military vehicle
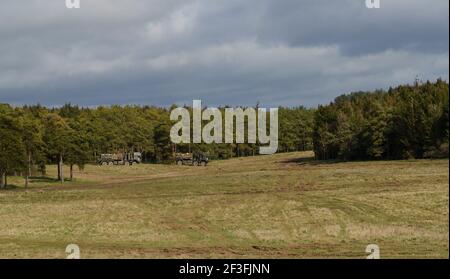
191, 159
128, 158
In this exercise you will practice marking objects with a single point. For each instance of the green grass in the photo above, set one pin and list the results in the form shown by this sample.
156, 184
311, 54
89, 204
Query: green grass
281, 206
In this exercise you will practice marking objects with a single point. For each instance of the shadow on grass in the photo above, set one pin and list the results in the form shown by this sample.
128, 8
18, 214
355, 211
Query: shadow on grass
46, 179
38, 181
10, 187
311, 161
43, 179
315, 162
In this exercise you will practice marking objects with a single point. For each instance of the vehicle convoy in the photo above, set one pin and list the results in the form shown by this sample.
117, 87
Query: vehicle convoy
128, 158
191, 159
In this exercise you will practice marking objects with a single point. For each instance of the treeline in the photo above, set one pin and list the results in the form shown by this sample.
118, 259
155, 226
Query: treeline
409, 121
32, 137
295, 134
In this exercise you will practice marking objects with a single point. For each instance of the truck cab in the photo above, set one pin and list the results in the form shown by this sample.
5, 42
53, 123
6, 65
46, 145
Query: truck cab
191, 159
120, 159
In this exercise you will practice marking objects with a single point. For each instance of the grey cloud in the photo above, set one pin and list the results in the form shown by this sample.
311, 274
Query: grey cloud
278, 52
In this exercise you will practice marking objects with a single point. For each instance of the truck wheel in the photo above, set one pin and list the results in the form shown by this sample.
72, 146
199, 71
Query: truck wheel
195, 163
204, 164
180, 163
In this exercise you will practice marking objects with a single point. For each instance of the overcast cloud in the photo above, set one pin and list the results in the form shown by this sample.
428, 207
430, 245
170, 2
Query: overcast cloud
161, 52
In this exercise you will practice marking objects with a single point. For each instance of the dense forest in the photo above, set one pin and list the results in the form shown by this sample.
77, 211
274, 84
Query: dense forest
34, 136
410, 121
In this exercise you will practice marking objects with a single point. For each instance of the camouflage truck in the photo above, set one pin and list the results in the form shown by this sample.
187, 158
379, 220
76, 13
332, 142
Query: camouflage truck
128, 158
191, 159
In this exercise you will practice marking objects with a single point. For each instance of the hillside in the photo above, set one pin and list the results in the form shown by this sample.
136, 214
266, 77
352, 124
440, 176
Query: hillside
280, 206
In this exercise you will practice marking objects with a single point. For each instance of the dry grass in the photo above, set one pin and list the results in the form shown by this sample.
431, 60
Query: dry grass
281, 206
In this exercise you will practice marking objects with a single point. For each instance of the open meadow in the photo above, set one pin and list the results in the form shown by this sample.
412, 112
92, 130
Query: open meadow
280, 206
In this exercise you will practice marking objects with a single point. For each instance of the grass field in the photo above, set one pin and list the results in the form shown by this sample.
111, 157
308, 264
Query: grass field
280, 206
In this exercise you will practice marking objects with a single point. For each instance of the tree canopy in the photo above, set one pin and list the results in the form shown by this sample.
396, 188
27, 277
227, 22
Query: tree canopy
409, 121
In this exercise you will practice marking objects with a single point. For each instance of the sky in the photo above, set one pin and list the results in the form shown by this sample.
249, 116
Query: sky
223, 52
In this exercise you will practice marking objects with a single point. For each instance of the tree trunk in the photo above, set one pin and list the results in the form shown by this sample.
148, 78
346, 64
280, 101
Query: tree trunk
71, 172
61, 168
2, 180
29, 164
28, 173
42, 169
